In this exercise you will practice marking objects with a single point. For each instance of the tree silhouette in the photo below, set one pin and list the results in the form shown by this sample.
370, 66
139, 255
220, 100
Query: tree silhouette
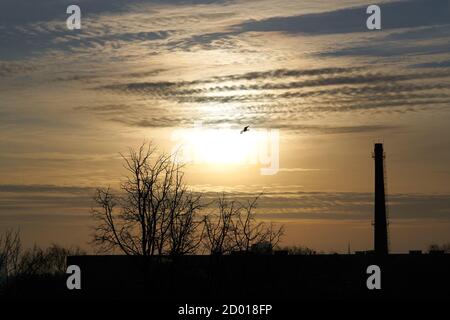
436, 247
10, 249
18, 265
235, 228
154, 214
220, 227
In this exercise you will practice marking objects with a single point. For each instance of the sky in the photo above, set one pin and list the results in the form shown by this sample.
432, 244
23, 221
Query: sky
316, 87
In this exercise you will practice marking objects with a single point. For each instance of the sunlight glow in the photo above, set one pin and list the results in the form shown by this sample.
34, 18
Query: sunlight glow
221, 146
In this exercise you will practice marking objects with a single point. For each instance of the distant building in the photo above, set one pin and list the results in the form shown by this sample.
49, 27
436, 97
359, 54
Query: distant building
262, 248
436, 252
367, 252
281, 252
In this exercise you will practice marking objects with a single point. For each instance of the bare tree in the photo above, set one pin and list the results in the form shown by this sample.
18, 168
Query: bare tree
185, 235
56, 258
248, 232
235, 228
155, 213
51, 260
220, 227
437, 247
10, 249
15, 262
298, 250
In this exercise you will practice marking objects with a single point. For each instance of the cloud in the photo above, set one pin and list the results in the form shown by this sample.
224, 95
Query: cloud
281, 74
156, 122
116, 39
21, 43
395, 15
99, 76
381, 48
403, 24
13, 68
284, 98
19, 12
428, 34
328, 77
437, 64
340, 129
300, 205
14, 188
104, 109
34, 28
44, 199
421, 33
276, 205
297, 170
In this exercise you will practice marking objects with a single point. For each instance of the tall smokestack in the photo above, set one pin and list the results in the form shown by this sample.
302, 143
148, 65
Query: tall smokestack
380, 230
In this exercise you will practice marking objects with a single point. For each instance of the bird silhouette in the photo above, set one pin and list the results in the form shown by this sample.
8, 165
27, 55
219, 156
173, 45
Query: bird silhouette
245, 129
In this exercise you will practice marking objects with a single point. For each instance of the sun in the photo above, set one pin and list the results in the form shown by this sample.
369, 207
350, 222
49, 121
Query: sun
223, 146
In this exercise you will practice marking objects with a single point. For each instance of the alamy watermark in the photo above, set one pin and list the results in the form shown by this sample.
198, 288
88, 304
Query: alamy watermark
73, 22
374, 20
74, 279
374, 280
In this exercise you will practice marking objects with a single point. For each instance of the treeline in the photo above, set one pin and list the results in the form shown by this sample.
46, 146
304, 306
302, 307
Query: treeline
440, 247
19, 265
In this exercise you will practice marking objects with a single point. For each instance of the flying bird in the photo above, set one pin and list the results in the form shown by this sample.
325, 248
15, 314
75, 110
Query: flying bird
245, 129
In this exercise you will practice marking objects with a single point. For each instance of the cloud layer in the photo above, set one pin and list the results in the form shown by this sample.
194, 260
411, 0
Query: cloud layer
279, 205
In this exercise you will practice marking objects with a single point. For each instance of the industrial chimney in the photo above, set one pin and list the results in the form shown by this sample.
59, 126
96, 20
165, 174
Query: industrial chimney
380, 224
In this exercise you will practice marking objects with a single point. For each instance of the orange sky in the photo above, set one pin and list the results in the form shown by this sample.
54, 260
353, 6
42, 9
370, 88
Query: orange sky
308, 71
